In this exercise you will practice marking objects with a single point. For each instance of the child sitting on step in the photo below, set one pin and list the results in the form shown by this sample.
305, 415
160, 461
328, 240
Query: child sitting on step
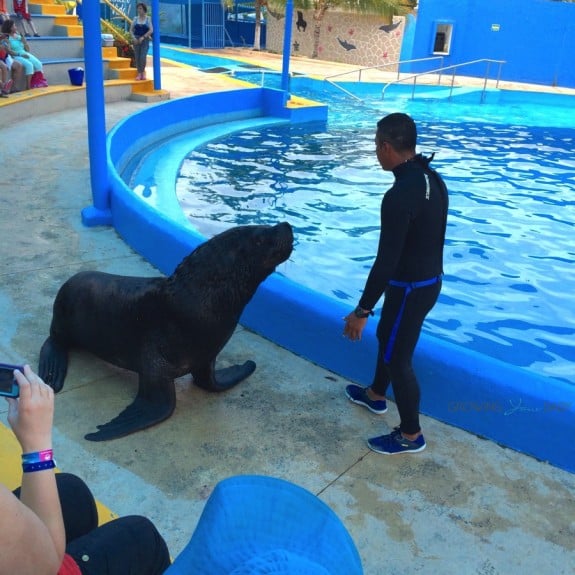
18, 48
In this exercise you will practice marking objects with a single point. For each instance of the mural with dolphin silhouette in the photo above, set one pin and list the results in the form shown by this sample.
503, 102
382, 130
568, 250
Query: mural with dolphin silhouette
343, 37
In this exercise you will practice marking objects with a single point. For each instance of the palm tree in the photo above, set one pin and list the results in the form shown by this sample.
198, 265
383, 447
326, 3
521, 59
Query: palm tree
386, 9
259, 4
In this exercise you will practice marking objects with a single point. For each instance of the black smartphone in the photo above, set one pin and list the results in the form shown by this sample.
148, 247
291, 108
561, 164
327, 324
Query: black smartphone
8, 385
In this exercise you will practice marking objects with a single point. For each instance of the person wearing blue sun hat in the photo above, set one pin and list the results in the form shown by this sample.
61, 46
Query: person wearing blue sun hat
258, 525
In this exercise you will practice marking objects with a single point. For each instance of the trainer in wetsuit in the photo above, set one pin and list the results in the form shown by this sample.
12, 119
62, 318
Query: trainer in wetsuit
408, 269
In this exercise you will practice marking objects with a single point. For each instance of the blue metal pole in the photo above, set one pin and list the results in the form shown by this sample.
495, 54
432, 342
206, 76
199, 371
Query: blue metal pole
156, 44
99, 213
287, 48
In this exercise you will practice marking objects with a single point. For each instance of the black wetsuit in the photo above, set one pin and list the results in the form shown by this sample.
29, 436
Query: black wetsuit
408, 268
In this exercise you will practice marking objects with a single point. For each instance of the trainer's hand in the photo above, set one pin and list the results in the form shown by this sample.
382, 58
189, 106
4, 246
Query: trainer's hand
354, 326
32, 414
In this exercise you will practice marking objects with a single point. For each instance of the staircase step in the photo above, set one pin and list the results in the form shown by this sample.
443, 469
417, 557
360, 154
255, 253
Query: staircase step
143, 91
56, 71
144, 86
45, 23
109, 52
151, 96
23, 105
39, 7
66, 20
54, 47
123, 73
117, 63
69, 30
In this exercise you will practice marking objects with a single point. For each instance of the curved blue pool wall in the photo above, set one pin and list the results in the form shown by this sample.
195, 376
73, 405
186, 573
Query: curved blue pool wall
146, 222
509, 405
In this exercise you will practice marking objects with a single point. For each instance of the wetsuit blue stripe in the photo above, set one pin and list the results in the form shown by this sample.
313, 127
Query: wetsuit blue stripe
409, 287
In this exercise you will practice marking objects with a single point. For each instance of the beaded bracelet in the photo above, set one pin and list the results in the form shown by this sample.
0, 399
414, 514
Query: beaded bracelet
38, 456
39, 466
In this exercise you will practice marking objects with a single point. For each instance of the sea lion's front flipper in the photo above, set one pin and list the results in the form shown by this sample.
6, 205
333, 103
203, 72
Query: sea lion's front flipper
53, 364
153, 404
213, 379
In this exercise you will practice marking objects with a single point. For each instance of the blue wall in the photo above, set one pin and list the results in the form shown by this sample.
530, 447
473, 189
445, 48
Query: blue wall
536, 38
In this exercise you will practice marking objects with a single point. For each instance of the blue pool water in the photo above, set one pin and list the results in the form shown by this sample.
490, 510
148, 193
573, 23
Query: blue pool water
201, 61
510, 249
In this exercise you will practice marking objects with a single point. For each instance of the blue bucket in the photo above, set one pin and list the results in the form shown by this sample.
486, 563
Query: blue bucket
76, 76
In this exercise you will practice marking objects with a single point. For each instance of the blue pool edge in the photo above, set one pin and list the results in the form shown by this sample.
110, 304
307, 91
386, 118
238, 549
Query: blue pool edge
506, 404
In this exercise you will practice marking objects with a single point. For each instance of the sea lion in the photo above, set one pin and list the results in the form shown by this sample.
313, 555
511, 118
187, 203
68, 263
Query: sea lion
164, 327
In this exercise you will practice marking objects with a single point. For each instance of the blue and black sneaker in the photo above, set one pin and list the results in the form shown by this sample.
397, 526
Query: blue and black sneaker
395, 443
358, 395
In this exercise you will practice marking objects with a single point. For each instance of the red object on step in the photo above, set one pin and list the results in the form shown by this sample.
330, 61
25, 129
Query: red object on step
38, 80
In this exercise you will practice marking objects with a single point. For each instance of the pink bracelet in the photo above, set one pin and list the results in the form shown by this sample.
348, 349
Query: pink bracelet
38, 456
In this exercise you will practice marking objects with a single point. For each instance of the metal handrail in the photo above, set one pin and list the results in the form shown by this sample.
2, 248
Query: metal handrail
328, 79
452, 67
397, 63
261, 72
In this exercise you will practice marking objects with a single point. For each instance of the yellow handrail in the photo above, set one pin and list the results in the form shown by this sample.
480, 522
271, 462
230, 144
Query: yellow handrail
117, 11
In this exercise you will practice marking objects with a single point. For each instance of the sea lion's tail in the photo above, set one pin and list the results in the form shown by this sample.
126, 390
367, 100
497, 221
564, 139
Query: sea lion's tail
53, 364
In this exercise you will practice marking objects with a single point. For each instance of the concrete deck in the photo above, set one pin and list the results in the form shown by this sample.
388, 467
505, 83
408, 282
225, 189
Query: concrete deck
463, 506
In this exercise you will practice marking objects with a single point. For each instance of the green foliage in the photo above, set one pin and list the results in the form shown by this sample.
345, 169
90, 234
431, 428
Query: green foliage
122, 40
384, 8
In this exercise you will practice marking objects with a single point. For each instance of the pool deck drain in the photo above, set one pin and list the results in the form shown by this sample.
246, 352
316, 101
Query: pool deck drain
465, 505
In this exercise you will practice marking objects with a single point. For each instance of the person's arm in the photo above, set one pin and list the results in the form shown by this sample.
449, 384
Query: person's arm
393, 228
32, 532
8, 47
151, 28
26, 546
395, 216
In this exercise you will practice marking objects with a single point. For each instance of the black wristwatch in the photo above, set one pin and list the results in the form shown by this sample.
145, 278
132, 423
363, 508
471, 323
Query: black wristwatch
362, 313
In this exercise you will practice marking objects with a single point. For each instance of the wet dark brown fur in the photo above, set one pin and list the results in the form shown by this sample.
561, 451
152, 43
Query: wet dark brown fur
164, 327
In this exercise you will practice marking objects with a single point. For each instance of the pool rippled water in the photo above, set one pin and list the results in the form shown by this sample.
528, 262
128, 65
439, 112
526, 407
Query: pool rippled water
510, 248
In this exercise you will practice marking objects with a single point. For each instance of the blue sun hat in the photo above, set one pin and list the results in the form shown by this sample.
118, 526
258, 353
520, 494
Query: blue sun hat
256, 525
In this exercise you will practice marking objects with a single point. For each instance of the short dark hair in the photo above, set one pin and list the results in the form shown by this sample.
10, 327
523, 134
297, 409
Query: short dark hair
144, 7
7, 26
399, 130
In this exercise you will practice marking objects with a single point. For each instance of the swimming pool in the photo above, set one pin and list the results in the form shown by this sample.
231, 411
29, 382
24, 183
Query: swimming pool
206, 62
509, 252
514, 406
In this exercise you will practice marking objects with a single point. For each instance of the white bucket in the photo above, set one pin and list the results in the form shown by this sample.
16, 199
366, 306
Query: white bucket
107, 40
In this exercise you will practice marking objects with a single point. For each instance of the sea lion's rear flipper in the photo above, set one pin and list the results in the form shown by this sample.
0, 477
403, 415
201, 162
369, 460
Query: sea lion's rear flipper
222, 379
153, 404
53, 364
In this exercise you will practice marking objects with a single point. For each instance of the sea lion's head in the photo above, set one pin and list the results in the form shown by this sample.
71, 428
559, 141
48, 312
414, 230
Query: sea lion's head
234, 262
275, 243
259, 248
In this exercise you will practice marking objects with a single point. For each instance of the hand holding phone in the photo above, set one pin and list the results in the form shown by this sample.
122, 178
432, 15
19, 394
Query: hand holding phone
8, 385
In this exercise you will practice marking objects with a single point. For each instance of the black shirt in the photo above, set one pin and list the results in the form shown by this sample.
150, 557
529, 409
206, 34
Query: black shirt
413, 222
